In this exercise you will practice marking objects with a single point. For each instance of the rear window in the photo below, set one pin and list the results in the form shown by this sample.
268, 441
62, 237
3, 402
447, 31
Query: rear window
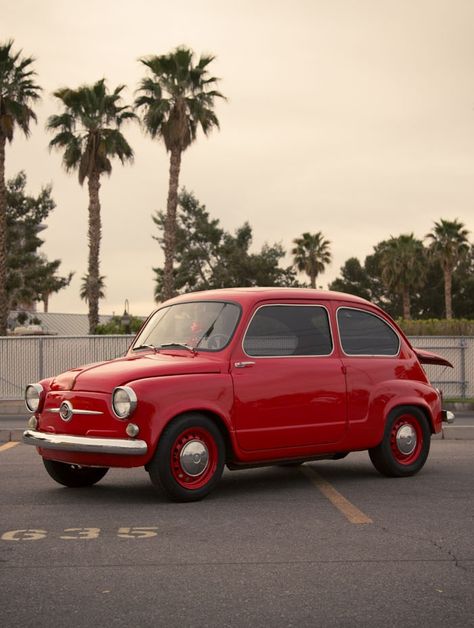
288, 330
363, 333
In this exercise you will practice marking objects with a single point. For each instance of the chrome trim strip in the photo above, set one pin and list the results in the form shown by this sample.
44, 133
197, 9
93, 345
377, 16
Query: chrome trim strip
85, 444
74, 411
375, 315
286, 357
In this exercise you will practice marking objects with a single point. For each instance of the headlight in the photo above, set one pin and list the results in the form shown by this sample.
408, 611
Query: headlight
33, 396
124, 402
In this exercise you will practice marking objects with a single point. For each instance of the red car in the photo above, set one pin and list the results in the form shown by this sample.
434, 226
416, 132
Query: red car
241, 377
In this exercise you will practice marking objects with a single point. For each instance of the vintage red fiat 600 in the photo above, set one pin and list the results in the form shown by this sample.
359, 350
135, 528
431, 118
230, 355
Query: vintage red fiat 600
241, 377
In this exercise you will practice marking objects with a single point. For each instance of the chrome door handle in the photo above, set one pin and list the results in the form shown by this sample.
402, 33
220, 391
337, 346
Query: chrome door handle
243, 365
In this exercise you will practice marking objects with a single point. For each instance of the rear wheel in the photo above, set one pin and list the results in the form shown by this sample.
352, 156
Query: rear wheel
405, 445
72, 475
189, 459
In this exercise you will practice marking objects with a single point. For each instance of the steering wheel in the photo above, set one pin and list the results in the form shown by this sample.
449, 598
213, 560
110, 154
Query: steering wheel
217, 341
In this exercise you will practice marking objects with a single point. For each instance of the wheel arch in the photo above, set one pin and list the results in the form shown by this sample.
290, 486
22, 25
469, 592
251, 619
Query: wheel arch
218, 421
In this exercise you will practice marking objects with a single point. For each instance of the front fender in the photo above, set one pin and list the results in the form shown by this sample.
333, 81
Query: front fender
161, 399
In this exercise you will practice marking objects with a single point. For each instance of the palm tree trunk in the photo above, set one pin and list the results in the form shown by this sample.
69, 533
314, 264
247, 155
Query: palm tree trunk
447, 292
169, 235
406, 304
3, 242
94, 237
312, 280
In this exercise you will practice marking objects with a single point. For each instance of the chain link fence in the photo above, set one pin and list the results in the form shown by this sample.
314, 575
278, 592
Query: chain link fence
28, 359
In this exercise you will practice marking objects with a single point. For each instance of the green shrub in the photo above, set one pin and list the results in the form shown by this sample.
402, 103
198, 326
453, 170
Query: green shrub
438, 327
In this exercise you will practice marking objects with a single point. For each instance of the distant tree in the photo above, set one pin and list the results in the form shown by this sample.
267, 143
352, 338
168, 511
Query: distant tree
209, 257
311, 255
177, 97
403, 267
85, 289
449, 244
88, 132
18, 93
30, 276
354, 280
115, 326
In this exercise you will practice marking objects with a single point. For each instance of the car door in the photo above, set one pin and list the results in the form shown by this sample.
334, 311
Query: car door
289, 385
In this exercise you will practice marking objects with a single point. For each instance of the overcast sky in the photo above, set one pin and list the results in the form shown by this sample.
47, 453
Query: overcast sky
350, 117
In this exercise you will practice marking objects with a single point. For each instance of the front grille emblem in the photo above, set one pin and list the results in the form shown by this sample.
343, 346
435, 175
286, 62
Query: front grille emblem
66, 411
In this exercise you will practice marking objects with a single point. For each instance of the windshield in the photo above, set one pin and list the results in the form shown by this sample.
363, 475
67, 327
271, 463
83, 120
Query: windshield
202, 325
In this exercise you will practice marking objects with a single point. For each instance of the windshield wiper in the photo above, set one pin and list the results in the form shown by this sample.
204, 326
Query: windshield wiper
155, 349
179, 345
210, 329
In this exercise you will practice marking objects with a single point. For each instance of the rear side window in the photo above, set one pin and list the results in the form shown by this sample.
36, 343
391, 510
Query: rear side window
288, 330
363, 333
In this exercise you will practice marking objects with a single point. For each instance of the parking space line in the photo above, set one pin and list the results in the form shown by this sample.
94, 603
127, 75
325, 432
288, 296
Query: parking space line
8, 445
350, 512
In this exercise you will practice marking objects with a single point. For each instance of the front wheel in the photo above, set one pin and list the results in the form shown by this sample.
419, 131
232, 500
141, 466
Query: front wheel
189, 459
405, 445
73, 475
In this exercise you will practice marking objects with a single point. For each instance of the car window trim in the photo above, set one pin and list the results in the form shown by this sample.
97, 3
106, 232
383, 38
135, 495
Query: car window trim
367, 355
265, 357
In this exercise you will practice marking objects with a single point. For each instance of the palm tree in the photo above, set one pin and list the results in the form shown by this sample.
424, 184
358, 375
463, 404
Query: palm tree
18, 92
88, 131
449, 245
311, 254
85, 289
177, 97
403, 266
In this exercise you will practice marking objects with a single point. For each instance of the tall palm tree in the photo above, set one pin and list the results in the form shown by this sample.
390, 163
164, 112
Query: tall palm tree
311, 255
177, 97
449, 244
18, 92
88, 131
403, 266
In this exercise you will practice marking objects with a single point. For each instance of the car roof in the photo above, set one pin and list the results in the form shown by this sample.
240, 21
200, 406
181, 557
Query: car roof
255, 294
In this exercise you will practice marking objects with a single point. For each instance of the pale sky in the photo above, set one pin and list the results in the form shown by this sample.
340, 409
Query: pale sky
350, 117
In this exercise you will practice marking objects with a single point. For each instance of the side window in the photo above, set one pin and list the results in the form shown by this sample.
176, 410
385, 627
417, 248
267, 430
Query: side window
283, 330
363, 333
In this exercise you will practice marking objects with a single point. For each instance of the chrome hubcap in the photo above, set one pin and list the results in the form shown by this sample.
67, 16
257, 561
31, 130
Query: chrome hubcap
406, 439
194, 458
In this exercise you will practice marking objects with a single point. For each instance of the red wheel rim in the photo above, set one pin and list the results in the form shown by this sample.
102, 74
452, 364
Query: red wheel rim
194, 458
406, 439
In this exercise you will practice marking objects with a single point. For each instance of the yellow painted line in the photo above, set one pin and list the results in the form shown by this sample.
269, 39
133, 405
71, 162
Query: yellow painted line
351, 512
8, 445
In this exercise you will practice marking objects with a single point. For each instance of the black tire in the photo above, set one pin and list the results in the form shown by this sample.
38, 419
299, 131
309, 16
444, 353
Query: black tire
72, 475
405, 445
189, 459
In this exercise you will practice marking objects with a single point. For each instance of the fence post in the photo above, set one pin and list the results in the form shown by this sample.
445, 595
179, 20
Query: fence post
40, 358
463, 346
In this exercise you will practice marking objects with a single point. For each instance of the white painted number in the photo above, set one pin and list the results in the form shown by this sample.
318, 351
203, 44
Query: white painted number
81, 533
24, 535
136, 533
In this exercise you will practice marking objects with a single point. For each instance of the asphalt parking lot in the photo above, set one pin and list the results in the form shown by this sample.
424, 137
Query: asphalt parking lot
328, 544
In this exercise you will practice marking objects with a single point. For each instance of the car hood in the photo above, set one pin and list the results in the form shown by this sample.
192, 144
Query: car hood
105, 376
426, 357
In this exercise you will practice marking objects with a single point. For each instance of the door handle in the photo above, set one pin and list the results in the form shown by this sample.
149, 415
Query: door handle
243, 365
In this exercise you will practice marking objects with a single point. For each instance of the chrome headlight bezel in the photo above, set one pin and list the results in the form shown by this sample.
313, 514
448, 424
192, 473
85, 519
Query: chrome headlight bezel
33, 394
126, 397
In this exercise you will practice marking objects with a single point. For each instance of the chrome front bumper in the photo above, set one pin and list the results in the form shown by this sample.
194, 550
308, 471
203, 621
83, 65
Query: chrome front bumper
85, 444
447, 416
